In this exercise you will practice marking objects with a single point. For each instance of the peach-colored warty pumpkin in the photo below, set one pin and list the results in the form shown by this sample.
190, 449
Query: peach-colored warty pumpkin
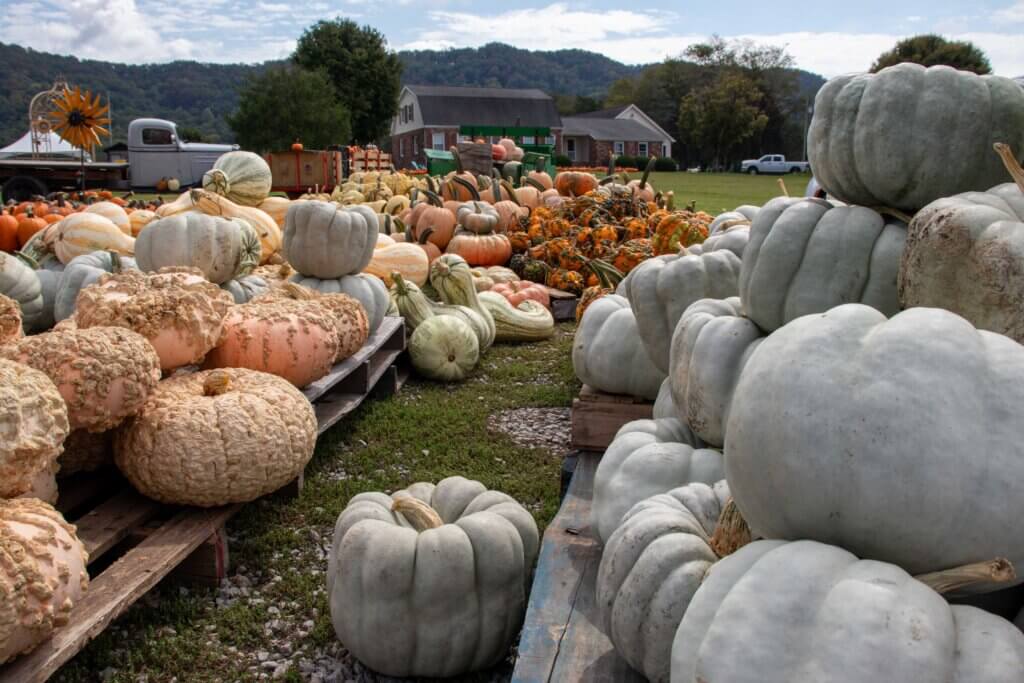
42, 574
348, 314
217, 437
177, 310
33, 425
287, 338
10, 320
104, 374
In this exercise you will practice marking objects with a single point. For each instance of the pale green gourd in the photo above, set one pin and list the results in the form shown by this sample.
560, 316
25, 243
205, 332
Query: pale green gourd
415, 307
452, 277
242, 177
530, 321
444, 348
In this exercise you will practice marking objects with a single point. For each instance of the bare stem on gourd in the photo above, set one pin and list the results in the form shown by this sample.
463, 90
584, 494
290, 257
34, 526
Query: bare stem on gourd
298, 292
731, 532
216, 383
1011, 163
420, 515
974, 575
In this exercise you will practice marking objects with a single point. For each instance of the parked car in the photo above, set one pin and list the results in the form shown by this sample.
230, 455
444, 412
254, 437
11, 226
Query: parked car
772, 163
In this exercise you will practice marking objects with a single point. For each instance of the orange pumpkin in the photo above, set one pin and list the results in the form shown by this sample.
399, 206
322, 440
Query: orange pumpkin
481, 250
8, 232
434, 216
574, 183
29, 225
425, 244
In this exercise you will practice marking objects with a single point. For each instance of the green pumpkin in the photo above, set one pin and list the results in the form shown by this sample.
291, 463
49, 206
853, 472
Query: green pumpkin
368, 290
908, 135
19, 282
242, 177
444, 348
245, 288
221, 248
81, 272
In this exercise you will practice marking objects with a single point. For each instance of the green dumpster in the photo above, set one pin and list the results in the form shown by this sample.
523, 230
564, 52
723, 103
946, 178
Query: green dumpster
439, 162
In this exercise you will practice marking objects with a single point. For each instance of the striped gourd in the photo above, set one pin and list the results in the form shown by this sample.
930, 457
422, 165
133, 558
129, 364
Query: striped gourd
242, 177
84, 233
261, 222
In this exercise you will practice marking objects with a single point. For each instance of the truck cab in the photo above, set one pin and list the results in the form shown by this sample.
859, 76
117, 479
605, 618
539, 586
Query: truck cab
155, 151
772, 163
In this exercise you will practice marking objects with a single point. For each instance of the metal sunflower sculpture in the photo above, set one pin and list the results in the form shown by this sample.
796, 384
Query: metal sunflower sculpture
79, 118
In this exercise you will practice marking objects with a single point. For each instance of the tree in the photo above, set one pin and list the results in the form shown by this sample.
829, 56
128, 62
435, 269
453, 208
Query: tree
286, 104
189, 134
621, 93
718, 117
366, 75
931, 50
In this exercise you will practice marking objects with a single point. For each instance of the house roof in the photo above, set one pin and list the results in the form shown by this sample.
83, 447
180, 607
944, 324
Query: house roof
609, 130
442, 105
602, 113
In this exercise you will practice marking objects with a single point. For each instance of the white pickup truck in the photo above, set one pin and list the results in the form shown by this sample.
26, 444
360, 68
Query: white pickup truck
772, 163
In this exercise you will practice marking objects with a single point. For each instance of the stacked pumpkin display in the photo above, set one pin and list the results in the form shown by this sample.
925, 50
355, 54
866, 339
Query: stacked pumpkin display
823, 393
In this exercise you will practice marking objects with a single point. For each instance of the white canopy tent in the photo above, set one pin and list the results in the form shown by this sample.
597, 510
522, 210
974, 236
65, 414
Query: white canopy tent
22, 147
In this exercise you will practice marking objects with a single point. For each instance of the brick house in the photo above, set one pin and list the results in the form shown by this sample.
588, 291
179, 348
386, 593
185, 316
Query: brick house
589, 139
431, 117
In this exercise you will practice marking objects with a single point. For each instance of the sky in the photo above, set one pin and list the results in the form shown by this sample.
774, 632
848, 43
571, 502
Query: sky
829, 37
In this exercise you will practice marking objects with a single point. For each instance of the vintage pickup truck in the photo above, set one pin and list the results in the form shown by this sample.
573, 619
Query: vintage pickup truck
155, 152
772, 163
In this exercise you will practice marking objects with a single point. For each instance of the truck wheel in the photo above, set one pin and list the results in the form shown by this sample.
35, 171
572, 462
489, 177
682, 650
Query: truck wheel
795, 169
22, 188
752, 171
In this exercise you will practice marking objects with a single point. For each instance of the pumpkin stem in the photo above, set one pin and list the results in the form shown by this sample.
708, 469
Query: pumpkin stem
216, 383
731, 532
782, 186
458, 159
434, 198
647, 172
511, 191
420, 515
969, 577
296, 291
534, 183
219, 180
1011, 163
425, 235
398, 282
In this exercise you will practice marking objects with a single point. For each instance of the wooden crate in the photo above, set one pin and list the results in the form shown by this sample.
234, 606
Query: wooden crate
563, 304
134, 542
562, 639
597, 416
476, 158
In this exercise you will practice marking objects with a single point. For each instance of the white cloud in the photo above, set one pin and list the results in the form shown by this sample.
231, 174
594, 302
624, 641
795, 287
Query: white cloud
274, 7
913, 19
1013, 14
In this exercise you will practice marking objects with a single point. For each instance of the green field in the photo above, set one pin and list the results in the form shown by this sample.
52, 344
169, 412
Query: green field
717, 192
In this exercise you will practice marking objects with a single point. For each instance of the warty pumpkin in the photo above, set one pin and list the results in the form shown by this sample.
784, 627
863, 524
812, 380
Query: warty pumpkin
242, 177
34, 422
802, 611
104, 374
201, 422
10, 320
648, 457
463, 549
83, 271
86, 451
892, 416
346, 312
964, 254
368, 290
43, 574
326, 242
870, 144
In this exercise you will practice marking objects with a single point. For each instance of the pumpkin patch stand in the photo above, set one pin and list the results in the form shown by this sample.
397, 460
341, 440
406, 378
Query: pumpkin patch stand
134, 542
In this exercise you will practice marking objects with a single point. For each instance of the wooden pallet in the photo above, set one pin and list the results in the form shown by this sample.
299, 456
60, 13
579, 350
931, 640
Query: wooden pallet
597, 416
563, 304
562, 638
134, 542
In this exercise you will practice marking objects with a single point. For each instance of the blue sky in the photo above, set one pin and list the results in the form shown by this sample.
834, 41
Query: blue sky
828, 37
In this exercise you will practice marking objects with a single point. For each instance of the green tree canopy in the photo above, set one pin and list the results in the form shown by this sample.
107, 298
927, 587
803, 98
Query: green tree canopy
364, 72
718, 117
932, 50
288, 103
621, 93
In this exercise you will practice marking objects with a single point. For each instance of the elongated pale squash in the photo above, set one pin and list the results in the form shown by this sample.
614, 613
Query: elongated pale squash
530, 321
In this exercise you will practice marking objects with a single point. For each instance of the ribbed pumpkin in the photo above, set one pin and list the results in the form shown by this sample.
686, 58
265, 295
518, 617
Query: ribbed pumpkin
19, 282
432, 215
28, 224
408, 259
140, 218
43, 574
180, 313
287, 338
84, 233
221, 248
10, 320
324, 241
8, 231
369, 290
575, 184
242, 177
245, 288
265, 227
104, 374
480, 250
238, 434
114, 213
34, 423
444, 348
83, 271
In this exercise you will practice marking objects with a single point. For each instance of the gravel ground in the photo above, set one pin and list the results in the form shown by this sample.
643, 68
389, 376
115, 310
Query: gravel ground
534, 427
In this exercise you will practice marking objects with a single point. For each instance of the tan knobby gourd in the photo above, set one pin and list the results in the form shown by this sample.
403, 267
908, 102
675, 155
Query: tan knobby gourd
10, 320
33, 422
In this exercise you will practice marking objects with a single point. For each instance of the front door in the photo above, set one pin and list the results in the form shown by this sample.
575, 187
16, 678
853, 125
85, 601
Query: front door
570, 149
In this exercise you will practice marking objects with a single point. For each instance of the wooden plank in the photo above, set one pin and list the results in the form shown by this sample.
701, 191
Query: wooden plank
558, 293
111, 522
117, 588
79, 490
564, 309
596, 417
338, 403
355, 364
208, 564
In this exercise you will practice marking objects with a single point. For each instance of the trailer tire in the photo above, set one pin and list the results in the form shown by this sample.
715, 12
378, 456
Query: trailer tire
22, 188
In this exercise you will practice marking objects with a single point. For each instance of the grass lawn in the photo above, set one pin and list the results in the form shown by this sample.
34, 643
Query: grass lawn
718, 192
426, 433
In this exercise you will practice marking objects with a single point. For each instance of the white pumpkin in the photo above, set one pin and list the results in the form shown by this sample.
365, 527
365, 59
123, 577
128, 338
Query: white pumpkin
242, 177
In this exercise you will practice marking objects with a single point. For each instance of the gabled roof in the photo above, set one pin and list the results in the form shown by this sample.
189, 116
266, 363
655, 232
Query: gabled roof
611, 113
609, 130
442, 105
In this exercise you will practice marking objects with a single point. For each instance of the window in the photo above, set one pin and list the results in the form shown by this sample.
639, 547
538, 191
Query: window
416, 146
412, 116
465, 138
437, 141
405, 111
641, 149
570, 149
528, 140
666, 149
401, 148
549, 140
156, 136
619, 146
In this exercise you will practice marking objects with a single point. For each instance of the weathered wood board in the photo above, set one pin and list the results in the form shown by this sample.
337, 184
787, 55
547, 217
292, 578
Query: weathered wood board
596, 417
